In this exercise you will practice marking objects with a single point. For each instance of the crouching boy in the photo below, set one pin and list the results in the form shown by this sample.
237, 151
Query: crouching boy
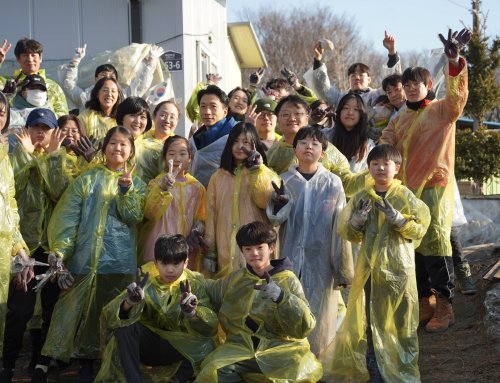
164, 322
382, 327
265, 316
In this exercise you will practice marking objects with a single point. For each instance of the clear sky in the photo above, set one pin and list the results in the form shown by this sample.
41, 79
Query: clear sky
415, 24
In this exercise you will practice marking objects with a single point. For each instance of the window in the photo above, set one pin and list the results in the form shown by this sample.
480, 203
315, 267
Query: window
207, 62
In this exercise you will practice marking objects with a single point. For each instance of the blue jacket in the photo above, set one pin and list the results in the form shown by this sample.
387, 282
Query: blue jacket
205, 137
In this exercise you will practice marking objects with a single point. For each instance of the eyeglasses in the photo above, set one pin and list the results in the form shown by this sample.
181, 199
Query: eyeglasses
413, 86
286, 116
264, 115
358, 75
306, 143
168, 117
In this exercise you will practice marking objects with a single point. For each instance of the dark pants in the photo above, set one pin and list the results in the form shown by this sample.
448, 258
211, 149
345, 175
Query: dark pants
370, 351
233, 373
138, 344
21, 306
456, 249
434, 273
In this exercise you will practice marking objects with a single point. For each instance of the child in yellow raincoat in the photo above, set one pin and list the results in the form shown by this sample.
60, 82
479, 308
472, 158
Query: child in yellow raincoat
382, 327
175, 204
425, 136
99, 115
92, 231
237, 194
266, 318
166, 323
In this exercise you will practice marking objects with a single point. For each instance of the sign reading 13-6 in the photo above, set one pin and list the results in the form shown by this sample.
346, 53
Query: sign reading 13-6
173, 60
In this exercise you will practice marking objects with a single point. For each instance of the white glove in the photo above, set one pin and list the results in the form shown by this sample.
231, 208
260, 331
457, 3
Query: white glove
360, 216
392, 216
210, 264
79, 53
155, 53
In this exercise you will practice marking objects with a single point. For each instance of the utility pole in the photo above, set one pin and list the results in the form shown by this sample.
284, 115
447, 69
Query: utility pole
475, 13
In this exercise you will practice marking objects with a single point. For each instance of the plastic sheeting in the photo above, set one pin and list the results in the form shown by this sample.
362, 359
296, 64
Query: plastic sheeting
171, 212
94, 124
92, 229
161, 313
148, 151
387, 256
483, 222
206, 161
308, 237
233, 201
283, 353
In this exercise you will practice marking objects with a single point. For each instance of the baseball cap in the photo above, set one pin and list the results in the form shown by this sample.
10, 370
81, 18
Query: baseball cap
45, 116
265, 104
34, 79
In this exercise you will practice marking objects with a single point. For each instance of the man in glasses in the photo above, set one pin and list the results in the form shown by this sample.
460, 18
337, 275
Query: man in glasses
263, 117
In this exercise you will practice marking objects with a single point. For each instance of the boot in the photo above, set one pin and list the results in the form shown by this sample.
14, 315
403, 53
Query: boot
427, 307
465, 280
85, 374
39, 376
443, 316
373, 371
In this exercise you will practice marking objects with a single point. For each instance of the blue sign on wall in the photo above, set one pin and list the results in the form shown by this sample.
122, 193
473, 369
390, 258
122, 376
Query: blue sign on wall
173, 60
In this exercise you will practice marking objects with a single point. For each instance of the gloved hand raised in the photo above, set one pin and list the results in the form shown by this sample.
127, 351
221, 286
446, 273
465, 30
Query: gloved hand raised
168, 180
290, 77
319, 113
272, 290
278, 195
86, 148
155, 53
11, 85
254, 159
79, 53
455, 43
213, 79
256, 77
360, 216
195, 237
392, 216
135, 291
188, 301
271, 93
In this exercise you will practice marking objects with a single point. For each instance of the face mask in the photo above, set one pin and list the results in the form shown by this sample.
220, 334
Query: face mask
382, 111
36, 97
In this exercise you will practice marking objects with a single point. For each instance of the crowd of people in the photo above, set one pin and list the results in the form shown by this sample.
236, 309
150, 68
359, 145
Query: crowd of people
302, 236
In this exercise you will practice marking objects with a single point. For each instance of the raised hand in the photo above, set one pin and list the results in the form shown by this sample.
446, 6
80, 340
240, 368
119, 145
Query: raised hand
4, 138
11, 85
56, 141
318, 50
195, 237
135, 291
271, 93
25, 140
255, 77
86, 148
126, 179
389, 43
272, 290
360, 216
455, 43
319, 113
250, 116
290, 77
3, 50
254, 159
155, 53
278, 195
188, 301
79, 53
168, 180
327, 45
213, 79
392, 216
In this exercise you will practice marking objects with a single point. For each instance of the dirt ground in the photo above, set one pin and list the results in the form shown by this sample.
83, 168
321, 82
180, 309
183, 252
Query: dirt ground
465, 353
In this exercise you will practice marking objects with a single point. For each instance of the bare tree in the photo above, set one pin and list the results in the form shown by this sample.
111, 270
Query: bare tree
287, 37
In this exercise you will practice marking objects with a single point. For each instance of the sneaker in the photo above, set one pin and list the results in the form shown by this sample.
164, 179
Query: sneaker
443, 316
465, 280
6, 375
39, 376
373, 371
427, 308
86, 374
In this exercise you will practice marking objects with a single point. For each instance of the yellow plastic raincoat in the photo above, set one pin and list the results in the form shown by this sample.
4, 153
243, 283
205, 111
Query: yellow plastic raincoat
172, 212
283, 353
41, 180
94, 124
280, 156
92, 229
148, 157
160, 312
233, 201
55, 94
426, 141
11, 240
387, 255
